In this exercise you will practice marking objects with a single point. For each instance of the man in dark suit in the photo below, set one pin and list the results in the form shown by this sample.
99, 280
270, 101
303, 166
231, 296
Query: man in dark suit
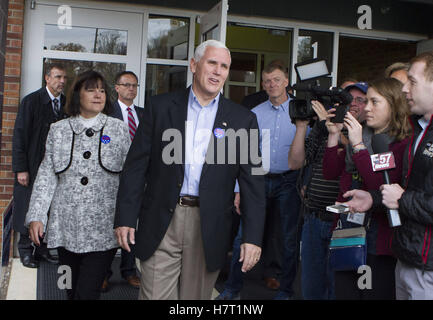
36, 113
126, 84
185, 212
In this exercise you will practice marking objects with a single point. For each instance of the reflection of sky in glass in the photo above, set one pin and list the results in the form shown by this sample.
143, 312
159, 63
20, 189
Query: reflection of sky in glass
161, 26
82, 38
168, 38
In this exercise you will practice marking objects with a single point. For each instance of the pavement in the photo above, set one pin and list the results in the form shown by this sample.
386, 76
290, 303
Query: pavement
23, 284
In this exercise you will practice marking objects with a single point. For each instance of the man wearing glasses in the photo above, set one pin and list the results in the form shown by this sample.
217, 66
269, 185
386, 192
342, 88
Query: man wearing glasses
124, 109
357, 106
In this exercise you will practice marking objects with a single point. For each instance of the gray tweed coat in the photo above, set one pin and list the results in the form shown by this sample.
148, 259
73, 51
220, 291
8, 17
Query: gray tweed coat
78, 181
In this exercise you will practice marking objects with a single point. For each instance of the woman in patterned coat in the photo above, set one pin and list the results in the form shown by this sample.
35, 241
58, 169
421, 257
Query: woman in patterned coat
77, 182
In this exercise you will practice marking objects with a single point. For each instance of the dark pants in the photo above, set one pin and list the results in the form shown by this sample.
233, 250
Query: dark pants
26, 247
281, 237
280, 241
88, 272
383, 281
317, 279
234, 281
127, 265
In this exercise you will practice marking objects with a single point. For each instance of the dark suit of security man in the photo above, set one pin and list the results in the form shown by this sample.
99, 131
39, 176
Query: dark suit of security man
37, 111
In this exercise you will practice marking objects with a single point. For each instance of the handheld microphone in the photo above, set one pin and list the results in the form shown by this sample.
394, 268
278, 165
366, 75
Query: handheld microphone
382, 160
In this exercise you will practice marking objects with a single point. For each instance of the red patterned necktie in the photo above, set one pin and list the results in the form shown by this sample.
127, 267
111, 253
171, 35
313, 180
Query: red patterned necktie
131, 123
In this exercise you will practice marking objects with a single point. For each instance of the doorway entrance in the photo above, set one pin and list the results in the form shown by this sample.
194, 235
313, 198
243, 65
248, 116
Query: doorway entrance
367, 59
252, 48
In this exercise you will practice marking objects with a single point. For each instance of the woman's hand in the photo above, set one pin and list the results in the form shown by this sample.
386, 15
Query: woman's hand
354, 129
36, 231
319, 109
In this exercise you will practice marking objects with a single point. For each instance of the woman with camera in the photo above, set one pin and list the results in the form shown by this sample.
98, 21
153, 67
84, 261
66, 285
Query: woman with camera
77, 183
386, 113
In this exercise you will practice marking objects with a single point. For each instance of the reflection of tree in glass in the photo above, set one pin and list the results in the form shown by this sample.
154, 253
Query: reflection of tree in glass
305, 51
160, 32
110, 42
74, 67
109, 71
74, 47
157, 46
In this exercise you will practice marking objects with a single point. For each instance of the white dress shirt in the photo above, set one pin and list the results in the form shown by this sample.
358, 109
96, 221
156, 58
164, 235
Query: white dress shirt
52, 97
123, 107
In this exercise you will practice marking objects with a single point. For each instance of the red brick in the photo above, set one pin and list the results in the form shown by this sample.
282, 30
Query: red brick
13, 43
8, 131
10, 104
12, 94
10, 116
6, 139
14, 35
14, 50
12, 79
6, 174
15, 20
15, 13
14, 28
8, 86
16, 6
13, 57
8, 168
6, 182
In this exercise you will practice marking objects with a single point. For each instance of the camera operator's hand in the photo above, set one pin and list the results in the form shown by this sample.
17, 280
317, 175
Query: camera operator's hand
301, 124
334, 129
319, 109
354, 129
297, 149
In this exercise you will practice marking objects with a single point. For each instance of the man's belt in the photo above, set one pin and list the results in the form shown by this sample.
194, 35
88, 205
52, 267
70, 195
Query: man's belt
189, 201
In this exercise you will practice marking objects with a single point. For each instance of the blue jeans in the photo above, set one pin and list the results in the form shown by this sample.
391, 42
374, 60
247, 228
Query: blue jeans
234, 281
283, 203
282, 213
317, 279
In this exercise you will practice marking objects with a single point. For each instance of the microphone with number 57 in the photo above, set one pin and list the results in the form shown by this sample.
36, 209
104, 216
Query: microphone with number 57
383, 160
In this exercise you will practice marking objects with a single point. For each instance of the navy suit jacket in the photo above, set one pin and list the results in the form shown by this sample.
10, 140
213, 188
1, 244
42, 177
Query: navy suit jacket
117, 112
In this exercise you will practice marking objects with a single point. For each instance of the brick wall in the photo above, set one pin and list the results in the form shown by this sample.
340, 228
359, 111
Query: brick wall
366, 59
11, 95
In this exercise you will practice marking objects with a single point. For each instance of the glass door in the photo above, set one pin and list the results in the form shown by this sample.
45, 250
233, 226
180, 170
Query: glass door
213, 24
106, 41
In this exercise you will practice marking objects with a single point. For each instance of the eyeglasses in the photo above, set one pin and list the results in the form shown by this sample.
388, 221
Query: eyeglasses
277, 81
360, 100
129, 85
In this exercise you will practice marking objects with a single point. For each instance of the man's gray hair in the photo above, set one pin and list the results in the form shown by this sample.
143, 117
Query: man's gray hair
200, 50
